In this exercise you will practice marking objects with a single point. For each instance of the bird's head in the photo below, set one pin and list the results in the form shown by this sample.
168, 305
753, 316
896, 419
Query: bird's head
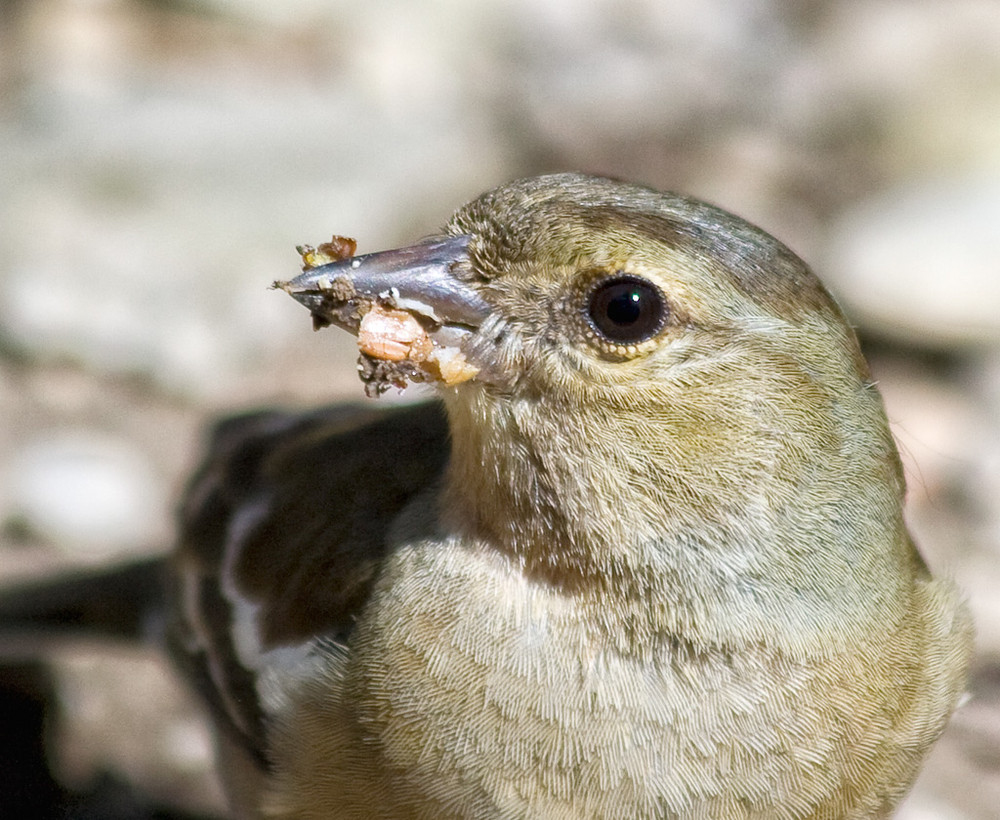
656, 400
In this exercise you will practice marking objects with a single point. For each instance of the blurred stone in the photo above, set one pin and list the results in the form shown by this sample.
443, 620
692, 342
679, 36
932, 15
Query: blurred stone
921, 262
921, 808
124, 712
85, 492
926, 77
147, 205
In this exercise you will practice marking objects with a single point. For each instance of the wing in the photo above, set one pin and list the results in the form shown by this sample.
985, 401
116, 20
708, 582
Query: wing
284, 528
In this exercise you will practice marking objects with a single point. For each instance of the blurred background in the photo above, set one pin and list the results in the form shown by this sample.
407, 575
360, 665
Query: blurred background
160, 159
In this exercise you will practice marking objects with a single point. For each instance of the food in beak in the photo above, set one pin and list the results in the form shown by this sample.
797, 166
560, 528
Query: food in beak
401, 339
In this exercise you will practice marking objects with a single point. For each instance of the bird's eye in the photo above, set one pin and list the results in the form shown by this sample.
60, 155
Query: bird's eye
626, 309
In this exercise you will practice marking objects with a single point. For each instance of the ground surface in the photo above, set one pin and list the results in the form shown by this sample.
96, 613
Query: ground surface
160, 160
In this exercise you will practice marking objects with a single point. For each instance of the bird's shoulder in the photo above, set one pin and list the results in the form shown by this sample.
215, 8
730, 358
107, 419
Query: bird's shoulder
282, 532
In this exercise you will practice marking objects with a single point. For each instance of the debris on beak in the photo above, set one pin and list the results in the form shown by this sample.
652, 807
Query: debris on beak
410, 312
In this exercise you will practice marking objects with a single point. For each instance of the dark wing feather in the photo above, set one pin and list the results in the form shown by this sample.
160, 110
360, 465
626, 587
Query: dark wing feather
290, 512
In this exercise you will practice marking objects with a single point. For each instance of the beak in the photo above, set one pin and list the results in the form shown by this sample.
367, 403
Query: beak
420, 279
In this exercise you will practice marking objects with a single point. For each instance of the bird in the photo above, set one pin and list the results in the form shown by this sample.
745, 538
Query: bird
643, 555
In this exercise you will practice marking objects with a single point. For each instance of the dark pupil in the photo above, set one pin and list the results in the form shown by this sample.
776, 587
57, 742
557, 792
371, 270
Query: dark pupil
627, 309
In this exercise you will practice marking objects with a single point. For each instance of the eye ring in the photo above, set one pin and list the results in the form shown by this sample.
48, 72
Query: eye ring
626, 310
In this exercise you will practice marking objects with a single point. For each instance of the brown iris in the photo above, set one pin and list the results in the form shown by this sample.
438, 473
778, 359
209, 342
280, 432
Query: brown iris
626, 309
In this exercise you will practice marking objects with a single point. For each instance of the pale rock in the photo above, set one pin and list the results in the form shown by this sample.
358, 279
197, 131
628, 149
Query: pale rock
88, 494
921, 262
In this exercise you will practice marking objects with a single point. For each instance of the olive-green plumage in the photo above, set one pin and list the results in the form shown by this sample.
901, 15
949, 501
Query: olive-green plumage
650, 563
